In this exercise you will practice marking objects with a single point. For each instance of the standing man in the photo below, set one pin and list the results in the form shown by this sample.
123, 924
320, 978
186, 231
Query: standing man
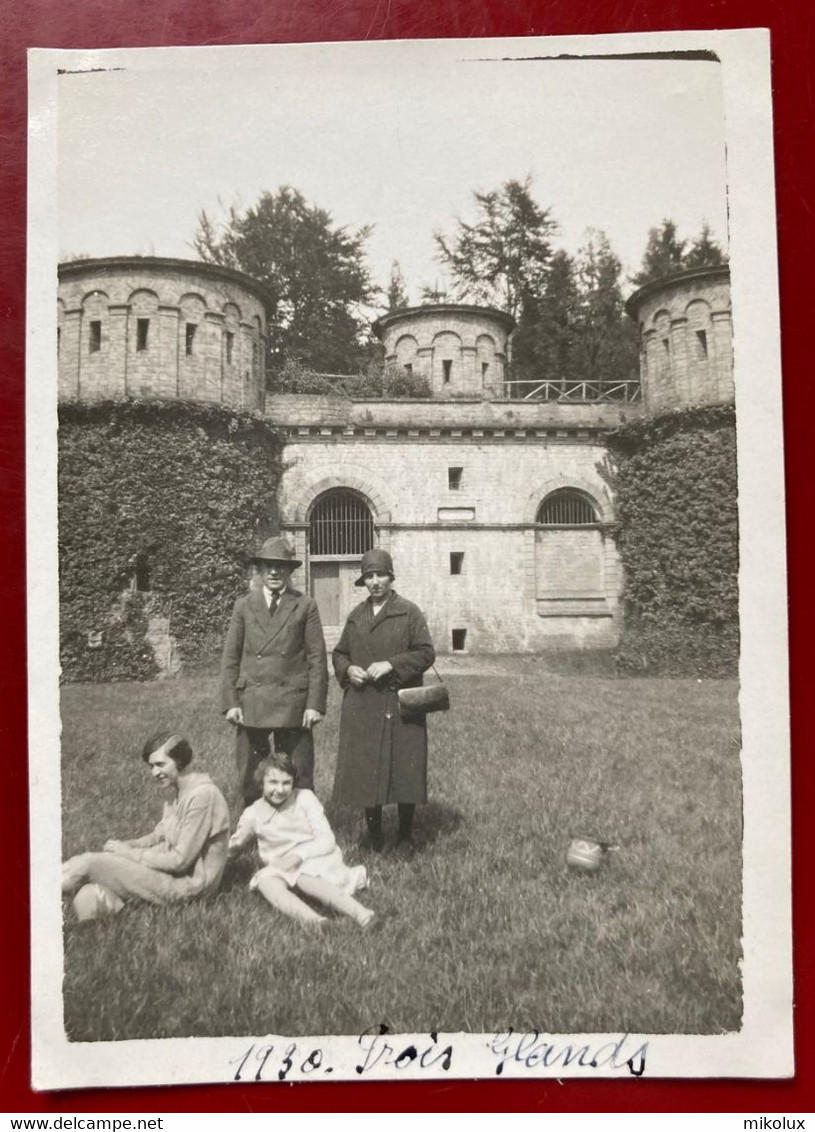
274, 674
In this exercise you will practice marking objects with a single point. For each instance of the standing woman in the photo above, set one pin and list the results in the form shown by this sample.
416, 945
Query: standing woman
382, 758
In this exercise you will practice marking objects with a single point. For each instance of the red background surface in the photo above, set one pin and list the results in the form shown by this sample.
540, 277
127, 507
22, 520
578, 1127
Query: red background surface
147, 23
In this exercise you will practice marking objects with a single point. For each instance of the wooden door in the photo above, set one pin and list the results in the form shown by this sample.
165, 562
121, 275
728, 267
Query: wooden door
350, 595
332, 587
325, 589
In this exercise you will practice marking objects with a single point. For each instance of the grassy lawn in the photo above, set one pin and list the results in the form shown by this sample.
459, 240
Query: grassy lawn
487, 927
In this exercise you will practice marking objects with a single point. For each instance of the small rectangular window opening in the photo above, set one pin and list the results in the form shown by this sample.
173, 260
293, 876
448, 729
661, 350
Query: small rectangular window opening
701, 345
59, 336
456, 561
485, 369
141, 575
454, 478
142, 331
230, 345
95, 336
666, 346
189, 338
408, 367
459, 640
447, 367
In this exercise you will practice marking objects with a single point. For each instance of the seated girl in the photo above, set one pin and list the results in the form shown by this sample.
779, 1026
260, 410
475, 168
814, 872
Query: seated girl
182, 858
298, 849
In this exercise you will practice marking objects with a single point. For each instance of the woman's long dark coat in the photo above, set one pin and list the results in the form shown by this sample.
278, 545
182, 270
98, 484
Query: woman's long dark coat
381, 757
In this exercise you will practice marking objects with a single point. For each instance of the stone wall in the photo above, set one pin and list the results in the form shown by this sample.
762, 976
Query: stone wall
459, 349
498, 419
516, 590
148, 327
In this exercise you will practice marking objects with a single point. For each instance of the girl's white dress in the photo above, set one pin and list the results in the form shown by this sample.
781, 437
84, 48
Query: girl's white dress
298, 826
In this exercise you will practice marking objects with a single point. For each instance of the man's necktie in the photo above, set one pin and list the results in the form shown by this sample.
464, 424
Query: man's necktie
273, 600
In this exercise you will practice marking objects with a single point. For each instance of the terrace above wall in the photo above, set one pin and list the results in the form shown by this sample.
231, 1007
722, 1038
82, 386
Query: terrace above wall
139, 326
343, 418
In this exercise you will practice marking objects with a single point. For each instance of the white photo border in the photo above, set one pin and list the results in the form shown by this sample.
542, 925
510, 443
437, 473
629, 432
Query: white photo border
764, 1045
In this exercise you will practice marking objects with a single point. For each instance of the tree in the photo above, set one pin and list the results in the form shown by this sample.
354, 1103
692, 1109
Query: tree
577, 329
705, 251
505, 254
397, 294
664, 254
605, 345
543, 344
314, 272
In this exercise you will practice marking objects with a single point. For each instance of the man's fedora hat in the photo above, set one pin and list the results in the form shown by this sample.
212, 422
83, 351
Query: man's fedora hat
276, 550
378, 560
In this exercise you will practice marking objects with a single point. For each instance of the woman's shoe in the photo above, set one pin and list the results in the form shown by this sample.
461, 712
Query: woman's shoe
372, 842
402, 849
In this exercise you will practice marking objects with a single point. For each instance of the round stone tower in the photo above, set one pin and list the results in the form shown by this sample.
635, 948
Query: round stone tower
137, 326
461, 350
686, 346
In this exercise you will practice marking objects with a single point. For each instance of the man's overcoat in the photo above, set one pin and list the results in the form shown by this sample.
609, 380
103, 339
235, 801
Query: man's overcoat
382, 758
274, 667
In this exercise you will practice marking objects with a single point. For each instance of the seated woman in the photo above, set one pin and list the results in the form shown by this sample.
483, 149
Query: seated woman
182, 858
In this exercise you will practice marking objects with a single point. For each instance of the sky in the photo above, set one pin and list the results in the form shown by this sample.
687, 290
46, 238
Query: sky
396, 135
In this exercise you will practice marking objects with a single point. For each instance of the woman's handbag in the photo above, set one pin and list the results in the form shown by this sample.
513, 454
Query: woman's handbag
416, 702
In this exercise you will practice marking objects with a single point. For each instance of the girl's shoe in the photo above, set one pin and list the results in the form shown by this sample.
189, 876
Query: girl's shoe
358, 879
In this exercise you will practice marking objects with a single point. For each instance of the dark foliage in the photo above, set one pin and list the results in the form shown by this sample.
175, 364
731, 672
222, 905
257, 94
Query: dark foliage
380, 380
314, 271
576, 329
677, 506
665, 253
167, 495
396, 296
504, 254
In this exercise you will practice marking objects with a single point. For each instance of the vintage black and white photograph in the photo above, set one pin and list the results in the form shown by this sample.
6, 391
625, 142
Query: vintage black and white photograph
409, 680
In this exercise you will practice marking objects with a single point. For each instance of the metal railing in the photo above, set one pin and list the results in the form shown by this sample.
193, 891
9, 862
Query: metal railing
571, 392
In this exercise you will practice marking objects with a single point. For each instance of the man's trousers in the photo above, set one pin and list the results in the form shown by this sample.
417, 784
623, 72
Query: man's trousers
252, 745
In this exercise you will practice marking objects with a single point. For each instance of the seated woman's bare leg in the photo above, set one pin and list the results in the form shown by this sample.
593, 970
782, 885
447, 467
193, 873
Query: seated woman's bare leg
328, 893
280, 896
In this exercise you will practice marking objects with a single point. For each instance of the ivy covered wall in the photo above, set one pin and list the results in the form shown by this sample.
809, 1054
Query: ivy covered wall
157, 503
677, 507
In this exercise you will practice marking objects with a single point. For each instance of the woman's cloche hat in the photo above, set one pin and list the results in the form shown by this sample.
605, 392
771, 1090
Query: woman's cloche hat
378, 560
276, 550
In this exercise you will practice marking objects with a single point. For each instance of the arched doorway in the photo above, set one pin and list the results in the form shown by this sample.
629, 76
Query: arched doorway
341, 529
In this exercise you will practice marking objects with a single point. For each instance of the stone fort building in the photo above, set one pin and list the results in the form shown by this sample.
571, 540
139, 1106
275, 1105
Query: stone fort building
492, 497
139, 327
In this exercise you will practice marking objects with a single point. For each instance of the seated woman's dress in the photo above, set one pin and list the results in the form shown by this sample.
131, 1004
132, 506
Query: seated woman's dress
183, 857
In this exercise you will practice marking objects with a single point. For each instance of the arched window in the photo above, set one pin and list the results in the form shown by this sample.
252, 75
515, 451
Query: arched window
569, 555
341, 524
566, 508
